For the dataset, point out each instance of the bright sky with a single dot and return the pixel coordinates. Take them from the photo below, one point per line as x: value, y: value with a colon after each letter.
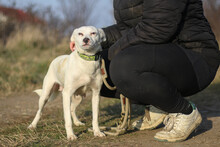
x: 103, y: 10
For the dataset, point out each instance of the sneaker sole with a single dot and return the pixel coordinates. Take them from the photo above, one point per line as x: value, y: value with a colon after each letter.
x: 198, y: 122
x: 156, y: 124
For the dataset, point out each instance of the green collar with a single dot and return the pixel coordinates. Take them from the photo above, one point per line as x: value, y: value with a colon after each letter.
x: 90, y: 57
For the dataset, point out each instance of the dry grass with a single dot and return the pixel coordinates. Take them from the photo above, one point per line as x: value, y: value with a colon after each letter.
x: 25, y: 58
x: 47, y: 133
x: 32, y: 37
x: 51, y: 131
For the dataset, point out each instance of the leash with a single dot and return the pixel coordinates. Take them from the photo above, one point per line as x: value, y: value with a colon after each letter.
x: 124, y: 123
x: 105, y: 76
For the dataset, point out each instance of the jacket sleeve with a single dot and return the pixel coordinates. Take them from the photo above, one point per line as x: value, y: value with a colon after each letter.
x: 159, y: 24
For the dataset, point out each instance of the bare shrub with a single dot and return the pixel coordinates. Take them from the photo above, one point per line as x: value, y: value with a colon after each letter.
x: 31, y: 36
x: 76, y: 13
x: 6, y: 28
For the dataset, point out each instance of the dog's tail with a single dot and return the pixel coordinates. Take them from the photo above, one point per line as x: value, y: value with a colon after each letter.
x: 53, y: 95
x: 38, y: 92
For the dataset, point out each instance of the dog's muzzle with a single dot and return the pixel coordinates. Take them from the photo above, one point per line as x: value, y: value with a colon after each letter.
x: 86, y: 40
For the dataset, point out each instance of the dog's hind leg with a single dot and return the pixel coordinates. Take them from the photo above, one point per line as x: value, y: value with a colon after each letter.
x: 76, y: 100
x: 47, y: 89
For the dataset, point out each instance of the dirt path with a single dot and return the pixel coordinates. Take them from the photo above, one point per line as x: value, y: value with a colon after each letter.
x: 22, y: 108
x: 16, y: 108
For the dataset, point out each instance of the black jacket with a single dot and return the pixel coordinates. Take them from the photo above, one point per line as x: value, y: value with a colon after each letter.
x: 161, y: 22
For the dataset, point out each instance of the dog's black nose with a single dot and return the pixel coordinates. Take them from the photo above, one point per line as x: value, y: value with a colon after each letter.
x: 86, y: 40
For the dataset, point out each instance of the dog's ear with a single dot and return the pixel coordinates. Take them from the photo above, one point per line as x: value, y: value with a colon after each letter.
x: 72, y: 36
x: 72, y: 46
x: 72, y: 42
x: 102, y: 35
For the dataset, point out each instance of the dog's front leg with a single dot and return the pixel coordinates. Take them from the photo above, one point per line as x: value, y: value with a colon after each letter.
x: 67, y: 93
x: 95, y: 113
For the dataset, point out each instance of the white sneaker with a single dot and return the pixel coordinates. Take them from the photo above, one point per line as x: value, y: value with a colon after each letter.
x: 153, y: 118
x: 179, y: 126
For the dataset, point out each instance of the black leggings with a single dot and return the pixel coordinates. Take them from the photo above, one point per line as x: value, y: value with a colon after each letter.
x: 160, y: 75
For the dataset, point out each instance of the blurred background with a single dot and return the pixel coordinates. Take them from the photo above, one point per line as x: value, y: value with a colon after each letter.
x: 33, y: 32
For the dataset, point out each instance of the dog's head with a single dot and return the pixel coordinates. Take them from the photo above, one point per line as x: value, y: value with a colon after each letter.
x: 87, y: 38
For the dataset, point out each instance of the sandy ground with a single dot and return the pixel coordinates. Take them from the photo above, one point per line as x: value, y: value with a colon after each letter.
x: 22, y: 108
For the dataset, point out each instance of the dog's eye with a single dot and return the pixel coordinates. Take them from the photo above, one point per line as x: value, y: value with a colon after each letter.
x: 80, y: 34
x: 93, y: 33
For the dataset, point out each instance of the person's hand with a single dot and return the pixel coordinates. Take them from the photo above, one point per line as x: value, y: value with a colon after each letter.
x: 72, y: 46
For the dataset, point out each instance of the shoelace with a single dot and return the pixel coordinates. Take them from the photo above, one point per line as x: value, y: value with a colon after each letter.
x: 172, y: 124
x: 169, y: 122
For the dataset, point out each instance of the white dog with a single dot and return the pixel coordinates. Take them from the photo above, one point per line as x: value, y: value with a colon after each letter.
x: 75, y: 74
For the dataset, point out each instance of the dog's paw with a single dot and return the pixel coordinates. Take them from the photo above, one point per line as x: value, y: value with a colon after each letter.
x: 31, y: 127
x: 79, y: 123
x: 71, y: 137
x: 99, y: 134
